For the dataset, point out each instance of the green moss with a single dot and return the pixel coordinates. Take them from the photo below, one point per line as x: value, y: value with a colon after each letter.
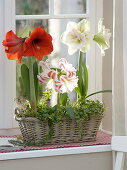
x: 79, y: 110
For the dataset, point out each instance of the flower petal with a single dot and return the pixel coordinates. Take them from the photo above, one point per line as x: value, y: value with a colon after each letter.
x: 14, y: 46
x: 84, y: 26
x: 39, y: 43
x: 71, y: 25
x: 71, y: 51
x: 76, y: 36
x: 102, y: 37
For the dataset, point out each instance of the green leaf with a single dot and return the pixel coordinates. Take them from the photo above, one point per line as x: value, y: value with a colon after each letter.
x: 85, y: 80
x: 63, y: 99
x: 26, y: 80
x: 55, y: 108
x: 36, y: 84
x: 80, y: 82
x: 77, y: 89
x: 46, y: 115
x: 103, y: 91
x: 82, y: 74
x: 33, y: 101
x: 22, y: 90
x: 70, y: 111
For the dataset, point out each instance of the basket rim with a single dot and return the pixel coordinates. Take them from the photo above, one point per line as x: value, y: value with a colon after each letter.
x: 38, y: 120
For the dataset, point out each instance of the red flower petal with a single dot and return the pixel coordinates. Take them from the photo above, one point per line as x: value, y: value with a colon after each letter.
x: 38, y: 44
x: 14, y: 46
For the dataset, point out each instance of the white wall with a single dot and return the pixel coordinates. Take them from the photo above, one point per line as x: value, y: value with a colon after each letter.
x: 107, y: 66
x: 94, y: 161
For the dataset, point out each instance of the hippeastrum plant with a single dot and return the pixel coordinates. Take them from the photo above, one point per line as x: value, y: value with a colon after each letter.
x: 61, y: 79
x: 77, y: 37
x: 34, y: 47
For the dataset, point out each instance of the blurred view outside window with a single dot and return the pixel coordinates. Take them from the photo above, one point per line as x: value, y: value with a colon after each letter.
x: 54, y: 26
x: 32, y: 7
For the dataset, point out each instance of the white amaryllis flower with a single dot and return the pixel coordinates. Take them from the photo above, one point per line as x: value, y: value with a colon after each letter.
x: 69, y: 82
x: 76, y: 36
x: 102, y: 37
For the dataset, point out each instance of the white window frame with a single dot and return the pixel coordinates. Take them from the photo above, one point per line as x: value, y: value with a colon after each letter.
x: 119, y: 70
x: 8, y: 69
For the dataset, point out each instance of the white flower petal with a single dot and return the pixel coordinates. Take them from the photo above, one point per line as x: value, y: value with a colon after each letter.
x: 85, y: 47
x: 71, y: 25
x: 101, y: 27
x: 68, y: 83
x: 63, y: 37
x: 65, y: 66
x: 45, y: 65
x: 71, y: 51
x: 76, y: 36
x: 102, y: 37
x: 50, y: 84
x: 84, y: 26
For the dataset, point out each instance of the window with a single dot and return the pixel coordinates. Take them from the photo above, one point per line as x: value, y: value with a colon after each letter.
x: 22, y: 15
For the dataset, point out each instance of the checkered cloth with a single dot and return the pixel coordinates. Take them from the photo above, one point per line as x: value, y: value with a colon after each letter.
x: 103, y: 138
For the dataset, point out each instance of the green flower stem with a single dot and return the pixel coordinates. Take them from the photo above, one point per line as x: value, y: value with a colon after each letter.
x: 82, y: 75
x: 58, y: 98
x: 32, y: 86
x: 80, y: 61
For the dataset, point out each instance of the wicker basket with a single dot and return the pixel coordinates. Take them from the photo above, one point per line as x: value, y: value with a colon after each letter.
x: 34, y: 130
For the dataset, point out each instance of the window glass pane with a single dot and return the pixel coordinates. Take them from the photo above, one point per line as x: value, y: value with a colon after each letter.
x: 70, y: 6
x: 29, y: 7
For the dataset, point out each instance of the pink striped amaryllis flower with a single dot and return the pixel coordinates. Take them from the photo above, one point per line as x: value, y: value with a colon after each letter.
x: 69, y: 82
x: 48, y: 76
x: 65, y: 66
x: 62, y: 79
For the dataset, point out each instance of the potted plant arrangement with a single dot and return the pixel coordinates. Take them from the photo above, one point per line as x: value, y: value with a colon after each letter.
x: 39, y: 121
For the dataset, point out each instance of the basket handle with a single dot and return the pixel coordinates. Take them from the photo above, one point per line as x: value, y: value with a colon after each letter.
x: 17, y: 111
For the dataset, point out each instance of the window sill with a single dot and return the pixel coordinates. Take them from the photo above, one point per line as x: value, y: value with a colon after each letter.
x: 55, y: 152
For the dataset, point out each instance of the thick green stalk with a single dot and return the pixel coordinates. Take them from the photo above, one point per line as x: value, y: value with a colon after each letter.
x: 58, y: 98
x: 32, y: 86
x: 82, y: 60
x: 81, y: 73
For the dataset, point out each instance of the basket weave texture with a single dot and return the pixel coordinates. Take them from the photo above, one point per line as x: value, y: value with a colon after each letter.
x: 68, y: 131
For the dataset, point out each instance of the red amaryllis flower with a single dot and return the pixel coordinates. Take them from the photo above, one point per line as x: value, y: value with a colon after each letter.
x: 39, y: 43
x: 14, y: 46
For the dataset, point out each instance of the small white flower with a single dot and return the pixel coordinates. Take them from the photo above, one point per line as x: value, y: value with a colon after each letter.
x: 102, y: 37
x: 76, y: 36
